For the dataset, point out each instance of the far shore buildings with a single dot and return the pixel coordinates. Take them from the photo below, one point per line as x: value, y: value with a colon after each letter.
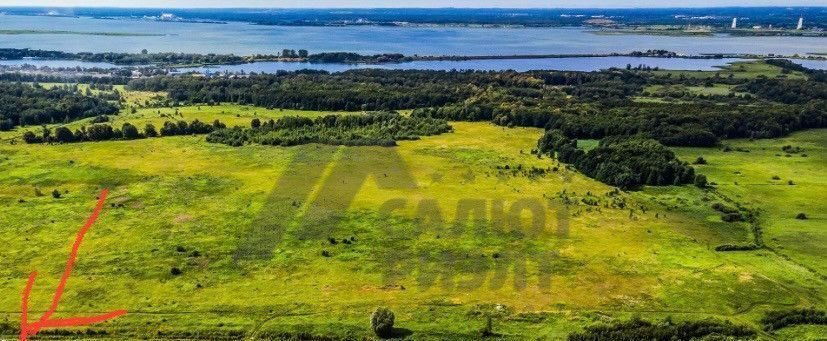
x: 799, y: 26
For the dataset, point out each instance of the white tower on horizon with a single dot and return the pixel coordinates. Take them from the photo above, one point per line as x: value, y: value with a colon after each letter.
x: 800, y: 23
x: 734, y: 23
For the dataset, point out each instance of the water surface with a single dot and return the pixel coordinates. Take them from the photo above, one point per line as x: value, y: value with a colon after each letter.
x: 244, y: 39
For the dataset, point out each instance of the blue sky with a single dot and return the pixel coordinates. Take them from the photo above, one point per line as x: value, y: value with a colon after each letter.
x: 410, y: 3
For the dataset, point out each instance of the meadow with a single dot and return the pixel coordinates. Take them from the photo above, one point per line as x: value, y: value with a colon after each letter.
x: 738, y: 70
x: 201, y: 240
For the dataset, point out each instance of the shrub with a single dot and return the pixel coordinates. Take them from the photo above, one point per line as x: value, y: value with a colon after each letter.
x: 30, y: 137
x: 381, y: 321
x: 488, y: 329
x: 700, y: 181
x: 723, y: 208
x: 56, y: 194
x: 255, y: 123
x: 150, y: 131
x: 791, y: 150
x: 100, y: 132
x: 176, y: 271
x: 63, y: 134
x: 130, y: 132
x: 100, y: 119
x: 734, y: 247
x: 732, y: 217
x: 700, y: 160
x: 801, y: 216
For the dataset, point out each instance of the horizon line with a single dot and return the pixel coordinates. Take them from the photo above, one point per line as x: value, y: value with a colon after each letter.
x: 447, y: 7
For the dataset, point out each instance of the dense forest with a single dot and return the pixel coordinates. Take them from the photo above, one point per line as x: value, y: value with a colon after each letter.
x: 23, y: 104
x: 372, y: 129
x: 58, y: 78
x: 627, y: 163
x: 318, y: 90
x: 569, y: 105
x: 581, y: 105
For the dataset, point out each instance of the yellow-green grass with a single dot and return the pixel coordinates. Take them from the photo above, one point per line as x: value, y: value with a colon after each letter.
x: 181, y: 191
x: 587, y: 145
x: 749, y: 178
x: 716, y: 89
x: 740, y: 70
x: 131, y: 98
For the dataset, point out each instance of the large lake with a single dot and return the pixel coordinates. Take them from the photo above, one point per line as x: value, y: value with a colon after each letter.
x: 245, y: 39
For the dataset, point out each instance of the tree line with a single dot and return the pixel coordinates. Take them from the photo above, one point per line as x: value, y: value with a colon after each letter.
x: 778, y: 319
x: 667, y: 330
x: 128, y: 131
x: 144, y: 58
x: 371, y: 129
x: 170, y: 58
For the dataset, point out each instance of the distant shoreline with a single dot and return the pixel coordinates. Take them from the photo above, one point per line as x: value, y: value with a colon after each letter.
x: 224, y: 60
x: 682, y: 32
x: 116, y: 34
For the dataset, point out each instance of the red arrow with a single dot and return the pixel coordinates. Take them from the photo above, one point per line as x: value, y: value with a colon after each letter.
x: 46, y: 321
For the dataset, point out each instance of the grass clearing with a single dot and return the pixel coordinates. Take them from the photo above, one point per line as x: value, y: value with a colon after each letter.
x: 739, y: 70
x: 761, y: 178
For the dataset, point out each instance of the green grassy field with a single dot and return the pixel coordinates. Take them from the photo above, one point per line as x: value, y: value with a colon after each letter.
x: 717, y: 89
x: 739, y: 70
x: 248, y: 228
x: 779, y: 184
